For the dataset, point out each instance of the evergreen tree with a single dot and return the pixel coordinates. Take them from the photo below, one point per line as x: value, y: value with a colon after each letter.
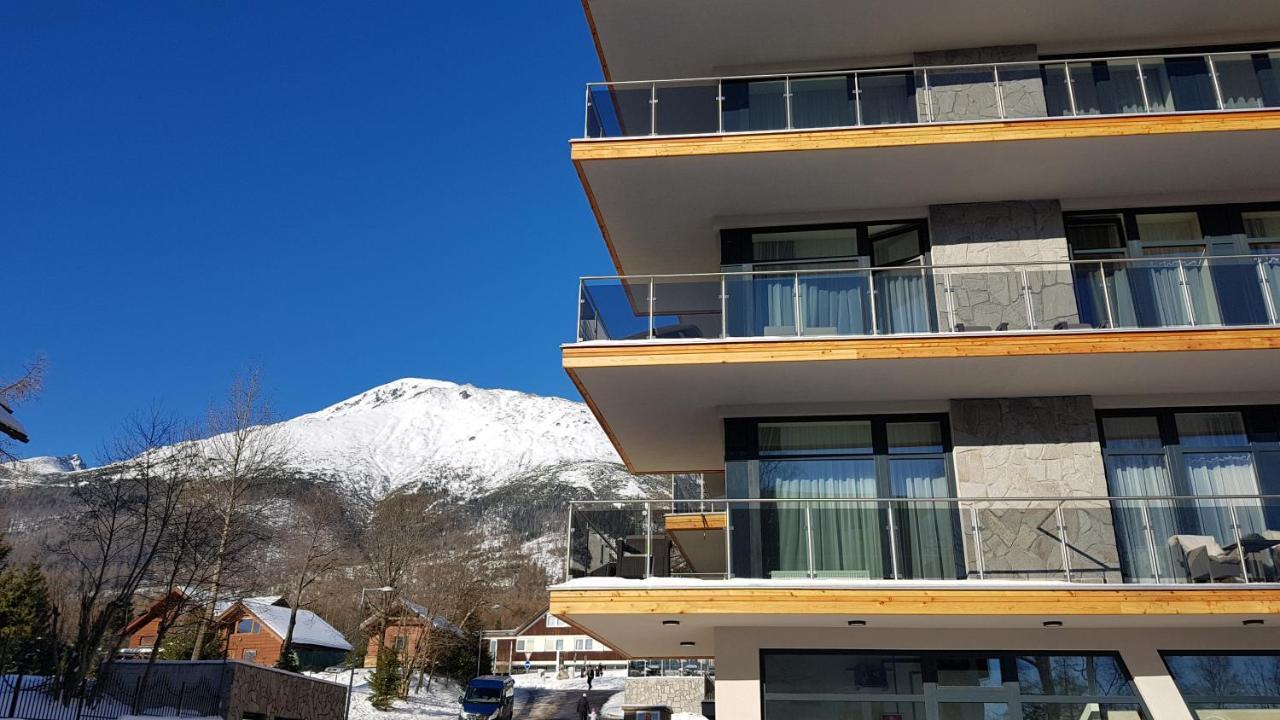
x: 384, y: 683
x: 28, y: 638
x: 289, y: 661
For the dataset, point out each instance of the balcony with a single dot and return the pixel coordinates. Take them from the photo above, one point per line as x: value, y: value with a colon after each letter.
x: 934, y: 300
x: 935, y: 95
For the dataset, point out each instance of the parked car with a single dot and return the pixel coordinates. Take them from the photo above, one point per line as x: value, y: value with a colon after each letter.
x: 488, y: 697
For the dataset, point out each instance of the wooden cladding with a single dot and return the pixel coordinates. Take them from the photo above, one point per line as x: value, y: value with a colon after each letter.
x: 937, y: 134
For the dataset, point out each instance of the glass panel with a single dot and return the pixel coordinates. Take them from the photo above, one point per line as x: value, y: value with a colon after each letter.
x: 754, y: 105
x: 815, y: 438
x: 620, y: 110
x: 686, y: 307
x: 1230, y: 290
x: 1092, y: 283
x: 1020, y: 540
x: 809, y: 672
x: 614, y: 309
x: 969, y: 671
x: 1053, y: 298
x: 1056, y: 97
x: 887, y: 98
x: 1211, y: 429
x: 818, y: 102
x: 847, y: 536
x: 1227, y: 681
x: 787, y: 245
x: 963, y: 94
x: 1264, y: 224
x: 904, y: 301
x: 1166, y: 227
x: 843, y: 710
x: 927, y: 534
x: 894, y: 244
x: 1131, y: 433
x: 915, y: 437
x: 835, y: 303
x: 1148, y: 293
x: 1090, y: 529
x: 1181, y: 84
x: 1022, y: 91
x: 1094, y: 234
x: 761, y: 304
x: 1146, y: 553
x: 1240, y: 77
x: 973, y: 711
x: 687, y: 107
x: 989, y: 299
x: 1107, y: 87
x: 1094, y: 675
x: 608, y: 541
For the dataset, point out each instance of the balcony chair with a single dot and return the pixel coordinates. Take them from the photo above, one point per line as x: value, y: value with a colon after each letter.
x: 961, y: 327
x: 1064, y: 325
x: 1205, y: 560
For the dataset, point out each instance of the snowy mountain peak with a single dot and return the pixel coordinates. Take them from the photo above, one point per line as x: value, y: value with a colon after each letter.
x: 43, y: 465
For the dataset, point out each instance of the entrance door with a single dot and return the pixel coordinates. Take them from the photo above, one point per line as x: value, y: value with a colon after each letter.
x: 972, y: 687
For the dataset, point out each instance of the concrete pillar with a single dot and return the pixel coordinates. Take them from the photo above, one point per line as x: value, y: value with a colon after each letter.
x: 737, y: 675
x: 1152, y: 681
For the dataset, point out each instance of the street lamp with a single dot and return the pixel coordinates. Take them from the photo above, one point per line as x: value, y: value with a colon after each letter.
x: 351, y: 680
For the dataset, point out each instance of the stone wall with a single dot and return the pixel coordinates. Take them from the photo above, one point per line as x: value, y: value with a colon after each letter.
x: 279, y: 695
x: 970, y: 93
x: 1034, y: 447
x: 990, y: 236
x: 681, y: 694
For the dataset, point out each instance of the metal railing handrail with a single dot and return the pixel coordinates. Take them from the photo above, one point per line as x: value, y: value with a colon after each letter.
x: 943, y: 266
x: 912, y: 68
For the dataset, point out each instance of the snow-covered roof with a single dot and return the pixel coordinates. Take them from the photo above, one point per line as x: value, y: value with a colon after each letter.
x: 10, y: 426
x: 310, y: 628
x: 438, y: 623
x: 225, y: 605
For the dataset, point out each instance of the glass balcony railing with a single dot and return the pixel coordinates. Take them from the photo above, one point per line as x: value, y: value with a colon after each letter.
x: 1164, y: 540
x: 1134, y: 85
x: 1083, y: 295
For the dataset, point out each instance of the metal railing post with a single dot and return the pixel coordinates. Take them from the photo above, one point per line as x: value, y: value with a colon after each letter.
x: 578, y: 333
x: 724, y: 306
x: 720, y: 106
x: 893, y: 541
x: 808, y: 538
x: 857, y: 100
x: 871, y: 292
x: 1151, y: 544
x: 1071, y: 91
x: 1106, y: 295
x: 995, y: 76
x: 1186, y: 293
x: 951, y: 300
x: 650, y: 307
x: 1062, y: 541
x: 795, y: 302
x: 568, y: 546
x: 653, y: 108
x: 728, y: 549
x: 928, y: 96
x: 1235, y: 532
x: 648, y: 538
x: 586, y: 117
x: 1142, y: 85
x: 976, y: 525
x: 1268, y: 300
x: 786, y: 97
x: 1026, y: 296
x: 1217, y: 86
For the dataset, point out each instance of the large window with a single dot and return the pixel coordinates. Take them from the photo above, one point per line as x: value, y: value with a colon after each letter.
x: 816, y: 279
x: 1231, y: 278
x: 1222, y: 681
x: 825, y: 482
x: 840, y: 685
x: 1217, y: 451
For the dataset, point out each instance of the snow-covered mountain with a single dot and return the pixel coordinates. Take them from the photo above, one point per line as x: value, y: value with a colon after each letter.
x: 43, y: 465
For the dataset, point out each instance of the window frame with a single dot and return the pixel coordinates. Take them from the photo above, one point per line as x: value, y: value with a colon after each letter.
x: 737, y: 250
x: 1219, y: 223
x: 1193, y: 700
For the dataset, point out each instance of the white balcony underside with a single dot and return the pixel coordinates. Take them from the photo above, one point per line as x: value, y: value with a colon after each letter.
x: 677, y: 38
x: 662, y: 213
x: 670, y: 417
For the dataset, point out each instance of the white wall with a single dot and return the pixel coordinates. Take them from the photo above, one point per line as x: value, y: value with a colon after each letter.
x: 738, y: 654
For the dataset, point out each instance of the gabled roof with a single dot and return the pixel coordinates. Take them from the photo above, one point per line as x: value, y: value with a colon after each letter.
x: 310, y: 629
x: 10, y: 426
x: 422, y: 613
x: 225, y: 605
x: 157, y: 607
x: 531, y: 621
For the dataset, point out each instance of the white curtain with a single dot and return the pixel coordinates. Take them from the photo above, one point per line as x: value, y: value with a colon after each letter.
x: 1143, y: 475
x: 835, y: 303
x: 846, y: 535
x: 903, y: 301
x: 927, y: 539
x: 1219, y: 473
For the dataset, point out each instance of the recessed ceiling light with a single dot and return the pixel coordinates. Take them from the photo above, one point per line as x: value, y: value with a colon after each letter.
x: 1052, y: 623
x: 688, y: 643
x: 1253, y: 621
x: 670, y: 622
x: 857, y: 623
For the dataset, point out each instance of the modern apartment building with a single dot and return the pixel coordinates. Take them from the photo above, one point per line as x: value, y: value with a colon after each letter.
x: 968, y: 317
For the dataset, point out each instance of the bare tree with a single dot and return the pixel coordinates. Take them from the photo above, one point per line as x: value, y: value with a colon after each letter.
x: 25, y: 387
x: 313, y: 547
x: 243, y: 452
x: 124, y: 521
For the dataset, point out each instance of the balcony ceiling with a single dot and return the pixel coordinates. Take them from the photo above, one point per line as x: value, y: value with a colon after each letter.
x: 676, y: 38
x: 664, y: 410
x: 661, y: 206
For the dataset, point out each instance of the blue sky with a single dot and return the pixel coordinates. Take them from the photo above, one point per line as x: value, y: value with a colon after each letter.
x: 341, y: 194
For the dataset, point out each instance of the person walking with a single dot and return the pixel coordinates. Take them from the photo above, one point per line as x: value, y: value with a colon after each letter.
x: 591, y: 675
x: 584, y: 707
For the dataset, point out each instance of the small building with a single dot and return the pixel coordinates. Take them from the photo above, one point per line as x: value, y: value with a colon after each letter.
x: 256, y: 628
x: 405, y: 630
x: 143, y: 631
x: 545, y: 642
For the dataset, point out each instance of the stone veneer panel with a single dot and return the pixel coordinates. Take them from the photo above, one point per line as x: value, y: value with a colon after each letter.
x: 681, y: 694
x: 992, y: 235
x: 1035, y: 447
x: 970, y: 93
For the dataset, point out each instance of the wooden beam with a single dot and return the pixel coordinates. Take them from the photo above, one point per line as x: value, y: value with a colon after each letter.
x: 695, y: 522
x: 895, y: 348
x: 908, y: 601
x: 918, y: 135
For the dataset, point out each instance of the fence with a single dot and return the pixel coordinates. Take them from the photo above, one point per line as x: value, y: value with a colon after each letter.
x: 172, y: 690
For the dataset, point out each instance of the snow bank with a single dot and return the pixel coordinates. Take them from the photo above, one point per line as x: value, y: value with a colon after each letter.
x: 611, y: 680
x: 438, y: 701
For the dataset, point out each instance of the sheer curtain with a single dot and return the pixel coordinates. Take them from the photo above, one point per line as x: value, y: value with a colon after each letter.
x: 1219, y: 473
x: 846, y: 535
x: 1139, y: 475
x: 927, y: 538
x: 904, y: 305
x: 835, y: 303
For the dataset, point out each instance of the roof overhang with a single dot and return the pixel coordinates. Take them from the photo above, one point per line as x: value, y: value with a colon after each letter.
x: 663, y: 403
x: 660, y: 39
x: 660, y: 201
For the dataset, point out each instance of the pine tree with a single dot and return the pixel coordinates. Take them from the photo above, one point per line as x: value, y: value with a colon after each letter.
x: 28, y: 642
x: 289, y: 661
x: 384, y: 683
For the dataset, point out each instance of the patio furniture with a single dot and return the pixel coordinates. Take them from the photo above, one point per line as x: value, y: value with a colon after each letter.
x: 1205, y: 560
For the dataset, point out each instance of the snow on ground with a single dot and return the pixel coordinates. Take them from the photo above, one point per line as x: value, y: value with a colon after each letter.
x: 611, y: 680
x: 439, y: 701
